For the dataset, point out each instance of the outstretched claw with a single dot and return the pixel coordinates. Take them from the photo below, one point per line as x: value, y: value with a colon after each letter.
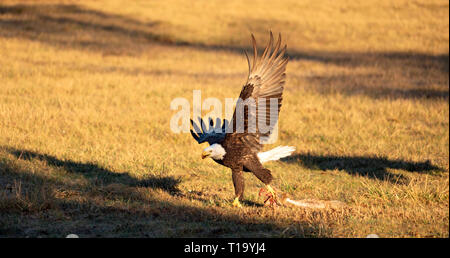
x: 236, y: 203
x: 272, y: 198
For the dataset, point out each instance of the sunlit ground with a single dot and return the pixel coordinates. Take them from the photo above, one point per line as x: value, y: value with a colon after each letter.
x: 86, y: 146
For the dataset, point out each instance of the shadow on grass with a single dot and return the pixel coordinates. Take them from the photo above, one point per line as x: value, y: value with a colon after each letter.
x: 74, y: 26
x: 98, y: 175
x: 372, y: 167
x: 381, y: 85
x: 37, y: 201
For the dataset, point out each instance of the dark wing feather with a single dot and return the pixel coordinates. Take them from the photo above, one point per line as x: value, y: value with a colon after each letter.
x: 213, y: 134
x: 265, y: 80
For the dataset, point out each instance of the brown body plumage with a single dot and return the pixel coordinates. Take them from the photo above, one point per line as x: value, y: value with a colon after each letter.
x: 265, y: 81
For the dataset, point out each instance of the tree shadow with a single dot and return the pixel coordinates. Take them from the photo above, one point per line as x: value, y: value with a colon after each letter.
x: 372, y: 167
x: 406, y: 75
x: 393, y: 76
x: 98, y: 175
x: 69, y: 25
x: 33, y: 209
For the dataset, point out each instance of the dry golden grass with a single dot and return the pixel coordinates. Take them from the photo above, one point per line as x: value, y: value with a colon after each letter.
x: 85, y: 91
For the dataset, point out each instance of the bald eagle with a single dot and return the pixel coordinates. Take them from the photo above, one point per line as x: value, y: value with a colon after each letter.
x: 242, y: 150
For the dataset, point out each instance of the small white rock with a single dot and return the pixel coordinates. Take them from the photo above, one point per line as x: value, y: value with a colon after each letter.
x: 72, y: 236
x: 372, y: 236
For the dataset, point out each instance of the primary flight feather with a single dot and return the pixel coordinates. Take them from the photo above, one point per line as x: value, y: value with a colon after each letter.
x: 240, y: 148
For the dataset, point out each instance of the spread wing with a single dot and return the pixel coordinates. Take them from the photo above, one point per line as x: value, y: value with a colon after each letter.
x: 265, y: 83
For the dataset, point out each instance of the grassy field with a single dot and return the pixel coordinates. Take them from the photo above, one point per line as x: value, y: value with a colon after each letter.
x: 85, y: 92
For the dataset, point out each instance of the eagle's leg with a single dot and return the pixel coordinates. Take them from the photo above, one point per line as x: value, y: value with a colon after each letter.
x: 266, y: 177
x: 273, y: 197
x: 238, y: 181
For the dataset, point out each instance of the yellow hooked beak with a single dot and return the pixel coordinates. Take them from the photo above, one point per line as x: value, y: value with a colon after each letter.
x: 205, y: 154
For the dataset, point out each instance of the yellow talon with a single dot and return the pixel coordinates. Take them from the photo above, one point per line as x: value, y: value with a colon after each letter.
x: 236, y: 203
x: 272, y: 199
x: 270, y: 189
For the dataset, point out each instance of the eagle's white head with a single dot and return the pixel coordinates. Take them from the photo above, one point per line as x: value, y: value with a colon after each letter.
x: 215, y: 151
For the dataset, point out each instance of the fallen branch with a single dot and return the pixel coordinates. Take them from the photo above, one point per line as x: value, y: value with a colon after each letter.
x: 311, y: 203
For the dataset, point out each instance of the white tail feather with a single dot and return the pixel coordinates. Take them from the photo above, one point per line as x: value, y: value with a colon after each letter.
x: 276, y: 153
